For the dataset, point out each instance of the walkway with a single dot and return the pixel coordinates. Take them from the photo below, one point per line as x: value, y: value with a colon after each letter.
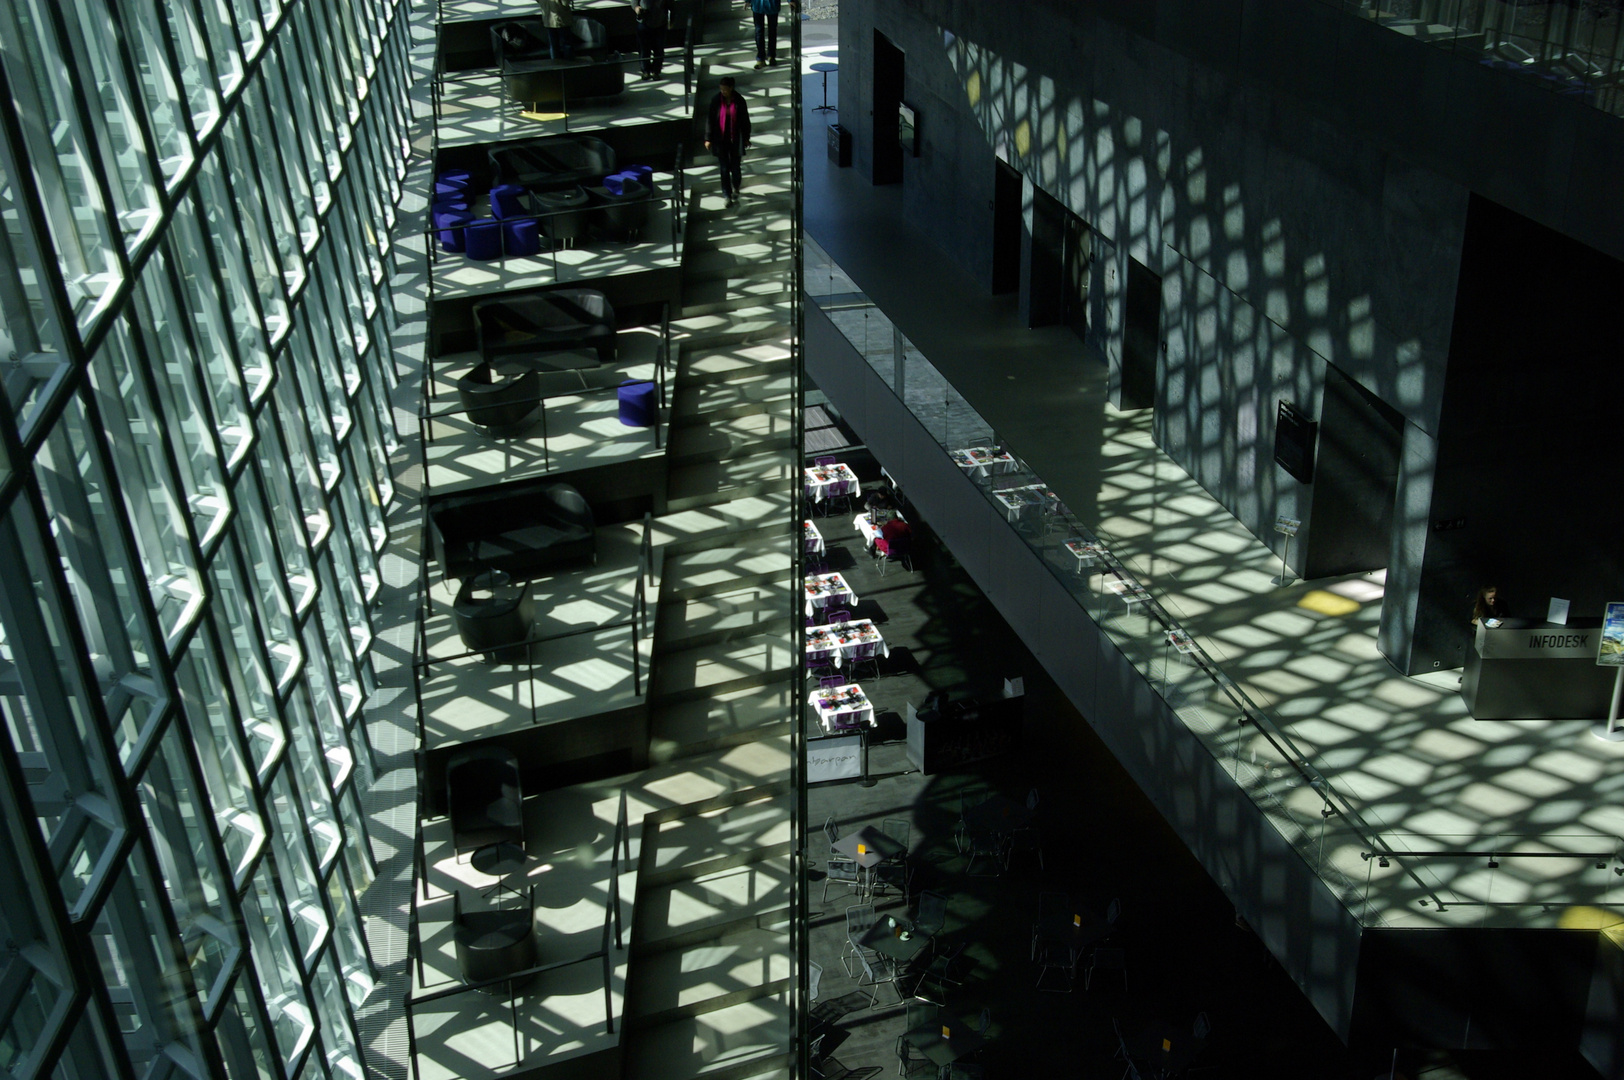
x: 1401, y: 751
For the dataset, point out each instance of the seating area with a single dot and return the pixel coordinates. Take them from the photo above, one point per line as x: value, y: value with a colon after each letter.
x: 542, y: 194
x: 1000, y: 917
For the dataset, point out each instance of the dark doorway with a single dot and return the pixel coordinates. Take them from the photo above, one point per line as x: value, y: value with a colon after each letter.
x: 1006, y: 228
x: 1141, y: 336
x: 888, y: 82
x: 1355, y: 480
x: 1077, y: 260
x: 1042, y: 297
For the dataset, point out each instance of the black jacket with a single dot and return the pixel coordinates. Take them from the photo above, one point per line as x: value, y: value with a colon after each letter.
x: 656, y: 13
x: 741, y: 131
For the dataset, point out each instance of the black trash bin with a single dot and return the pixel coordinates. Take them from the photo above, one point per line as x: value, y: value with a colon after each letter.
x: 839, y: 145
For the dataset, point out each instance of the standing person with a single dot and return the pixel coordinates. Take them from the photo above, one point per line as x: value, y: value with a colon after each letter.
x: 727, y: 135
x: 765, y: 13
x: 653, y: 19
x: 559, y: 18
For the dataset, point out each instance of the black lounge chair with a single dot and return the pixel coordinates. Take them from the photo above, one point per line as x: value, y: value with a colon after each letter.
x: 484, y: 799
x: 553, y: 163
x: 500, y: 403
x: 494, y: 615
x: 495, y: 944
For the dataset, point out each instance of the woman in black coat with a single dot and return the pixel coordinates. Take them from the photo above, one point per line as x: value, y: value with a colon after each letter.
x: 727, y: 135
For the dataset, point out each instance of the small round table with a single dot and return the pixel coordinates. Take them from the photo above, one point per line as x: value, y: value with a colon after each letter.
x: 824, y: 67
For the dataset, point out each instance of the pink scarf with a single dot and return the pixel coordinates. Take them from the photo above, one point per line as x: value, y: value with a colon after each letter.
x: 725, y: 115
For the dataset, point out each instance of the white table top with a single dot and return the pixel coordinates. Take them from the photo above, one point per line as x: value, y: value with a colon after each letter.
x: 868, y: 529
x: 846, y: 635
x: 824, y: 475
x: 841, y: 700
x: 979, y: 457
x: 823, y: 586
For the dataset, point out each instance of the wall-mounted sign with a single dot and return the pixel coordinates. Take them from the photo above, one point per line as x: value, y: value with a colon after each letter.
x: 1611, y: 651
x: 908, y: 125
x: 1294, y: 438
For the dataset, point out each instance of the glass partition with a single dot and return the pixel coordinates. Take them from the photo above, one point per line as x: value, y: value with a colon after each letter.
x: 1106, y: 573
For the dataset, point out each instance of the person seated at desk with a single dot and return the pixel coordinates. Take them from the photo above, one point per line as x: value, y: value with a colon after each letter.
x: 895, y: 537
x: 1488, y: 605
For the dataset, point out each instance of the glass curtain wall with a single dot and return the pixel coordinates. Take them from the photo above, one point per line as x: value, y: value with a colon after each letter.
x: 195, y: 348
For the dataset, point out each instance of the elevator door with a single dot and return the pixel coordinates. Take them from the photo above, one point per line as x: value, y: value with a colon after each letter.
x: 888, y: 82
x: 1141, y: 336
x: 1077, y: 261
x: 1006, y: 228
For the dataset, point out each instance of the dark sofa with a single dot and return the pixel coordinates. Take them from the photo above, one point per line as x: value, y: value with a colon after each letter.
x: 525, y: 530
x: 560, y: 320
x: 556, y: 162
x: 556, y: 85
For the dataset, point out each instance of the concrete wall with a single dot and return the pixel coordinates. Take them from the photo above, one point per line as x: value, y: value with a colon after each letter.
x: 1381, y: 987
x: 1316, y: 939
x: 1299, y: 177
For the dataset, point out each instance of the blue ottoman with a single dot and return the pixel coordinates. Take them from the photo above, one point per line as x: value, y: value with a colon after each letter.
x: 457, y: 177
x: 484, y: 241
x: 507, y: 201
x: 521, y: 236
x: 451, y: 223
x: 637, y: 407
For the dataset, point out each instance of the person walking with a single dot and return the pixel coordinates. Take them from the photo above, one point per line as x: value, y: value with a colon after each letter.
x: 653, y: 19
x: 559, y: 18
x: 727, y: 135
x: 765, y: 13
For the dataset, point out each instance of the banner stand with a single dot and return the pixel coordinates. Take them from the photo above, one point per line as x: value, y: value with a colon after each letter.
x: 1287, y: 527
x: 1610, y: 653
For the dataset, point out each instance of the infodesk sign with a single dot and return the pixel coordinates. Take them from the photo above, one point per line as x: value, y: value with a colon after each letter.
x: 1611, y: 652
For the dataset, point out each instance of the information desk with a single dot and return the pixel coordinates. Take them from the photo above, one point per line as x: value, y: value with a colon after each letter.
x: 1525, y: 669
x: 958, y: 733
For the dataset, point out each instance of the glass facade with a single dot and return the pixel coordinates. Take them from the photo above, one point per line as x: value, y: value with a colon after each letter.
x: 195, y: 348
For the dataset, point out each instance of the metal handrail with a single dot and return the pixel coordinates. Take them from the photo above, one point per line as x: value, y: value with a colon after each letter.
x: 688, y: 78
x: 1290, y: 754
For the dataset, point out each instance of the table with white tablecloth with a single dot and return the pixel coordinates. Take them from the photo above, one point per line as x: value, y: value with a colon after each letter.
x: 864, y: 524
x: 844, y: 639
x: 824, y: 589
x: 827, y: 481
x: 812, y: 539
x: 842, y: 707
x: 983, y: 460
x: 1019, y: 501
x: 1087, y: 553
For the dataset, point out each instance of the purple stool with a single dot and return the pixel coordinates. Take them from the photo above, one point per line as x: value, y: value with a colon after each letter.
x: 460, y: 177
x: 637, y: 408
x: 507, y: 200
x: 521, y: 236
x: 484, y: 241
x: 450, y: 223
x: 444, y: 191
x: 616, y: 183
